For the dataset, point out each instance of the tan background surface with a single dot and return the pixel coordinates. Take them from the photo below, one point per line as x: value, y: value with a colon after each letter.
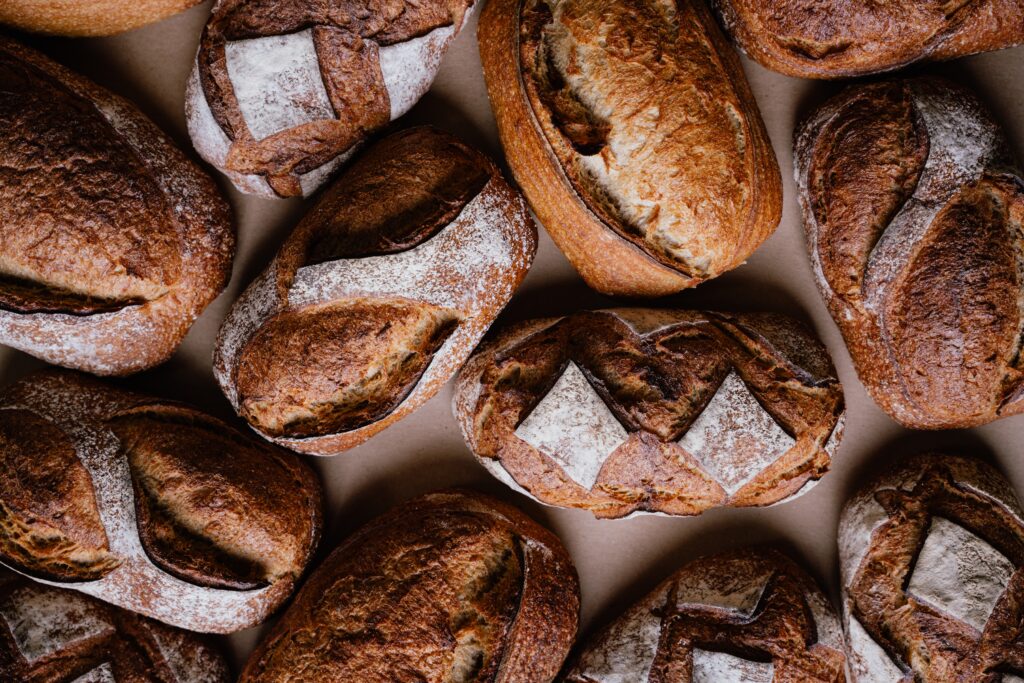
x: 618, y: 561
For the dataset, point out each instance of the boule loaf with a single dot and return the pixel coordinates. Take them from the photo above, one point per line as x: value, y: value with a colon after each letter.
x: 284, y: 92
x: 636, y: 139
x: 627, y: 411
x: 92, y: 18
x: 913, y: 211
x: 150, y: 505
x: 452, y: 587
x: 378, y: 296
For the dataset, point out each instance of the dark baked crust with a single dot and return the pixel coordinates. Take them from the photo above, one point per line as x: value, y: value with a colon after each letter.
x: 843, y: 38
x: 914, y: 218
x: 449, y: 587
x: 656, y: 371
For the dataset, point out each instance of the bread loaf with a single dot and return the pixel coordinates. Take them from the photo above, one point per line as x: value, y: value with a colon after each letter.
x: 379, y: 295
x: 50, y: 635
x: 641, y: 410
x: 913, y: 211
x: 150, y: 505
x: 111, y: 241
x: 631, y: 128
x: 747, y: 616
x: 91, y: 18
x: 930, y: 554
x: 284, y: 91
x: 842, y: 38
x: 452, y: 587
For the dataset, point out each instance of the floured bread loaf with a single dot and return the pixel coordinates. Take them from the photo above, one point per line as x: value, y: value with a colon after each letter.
x: 636, y: 139
x: 914, y: 214
x: 748, y: 616
x: 50, y: 635
x: 930, y: 554
x: 150, y: 505
x: 842, y: 38
x: 642, y: 410
x: 111, y: 241
x: 379, y: 295
x: 90, y: 18
x: 284, y: 91
x: 452, y: 587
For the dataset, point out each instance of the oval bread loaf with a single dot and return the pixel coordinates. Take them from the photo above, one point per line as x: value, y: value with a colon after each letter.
x: 92, y: 18
x: 747, y: 616
x: 112, y: 242
x: 378, y: 296
x: 150, y: 505
x: 641, y: 410
x: 930, y: 554
x: 843, y: 38
x: 914, y: 214
x: 50, y: 635
x: 631, y: 128
x: 284, y: 91
x: 452, y: 587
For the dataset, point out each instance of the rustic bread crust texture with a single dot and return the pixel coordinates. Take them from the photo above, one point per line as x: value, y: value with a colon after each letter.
x: 150, y: 505
x: 49, y: 635
x: 634, y: 134
x: 92, y: 18
x: 112, y: 242
x: 914, y: 215
x: 631, y: 411
x: 378, y: 296
x: 451, y: 587
x: 930, y: 555
x: 749, y: 615
x: 846, y: 38
x: 283, y: 92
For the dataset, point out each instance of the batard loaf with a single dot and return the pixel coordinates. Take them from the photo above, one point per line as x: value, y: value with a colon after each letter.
x: 378, y: 296
x: 641, y: 410
x: 150, y: 505
x: 90, y: 18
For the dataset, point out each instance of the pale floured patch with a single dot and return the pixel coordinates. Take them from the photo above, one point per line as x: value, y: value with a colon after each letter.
x: 720, y: 667
x: 959, y: 573
x: 104, y: 673
x: 44, y: 622
x: 1011, y: 678
x: 868, y: 661
x: 627, y: 649
x: 409, y: 67
x: 735, y: 438
x: 738, y: 594
x: 187, y: 662
x: 573, y: 426
x: 277, y: 82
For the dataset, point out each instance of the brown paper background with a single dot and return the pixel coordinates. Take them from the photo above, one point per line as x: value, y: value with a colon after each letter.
x: 618, y: 561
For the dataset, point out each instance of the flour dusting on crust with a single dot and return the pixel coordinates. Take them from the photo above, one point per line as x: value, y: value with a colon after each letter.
x: 721, y: 667
x: 104, y: 673
x: 44, y: 622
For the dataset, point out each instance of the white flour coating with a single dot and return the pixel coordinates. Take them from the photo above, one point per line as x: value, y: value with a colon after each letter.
x: 721, y: 667
x: 104, y: 673
x: 45, y: 622
x: 309, y: 182
x: 959, y: 573
x: 868, y: 662
x: 410, y: 67
x: 645, y: 321
x: 277, y: 82
x: 735, y: 438
x: 574, y: 427
x: 625, y: 651
x: 188, y: 663
x: 861, y: 516
x: 739, y: 595
x: 1010, y: 678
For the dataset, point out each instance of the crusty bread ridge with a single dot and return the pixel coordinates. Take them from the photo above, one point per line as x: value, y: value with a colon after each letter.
x: 92, y: 18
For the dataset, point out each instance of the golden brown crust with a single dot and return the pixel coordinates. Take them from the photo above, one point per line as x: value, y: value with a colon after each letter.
x: 93, y: 18
x: 451, y: 587
x: 602, y: 135
x: 657, y: 372
x: 843, y: 38
x: 913, y: 216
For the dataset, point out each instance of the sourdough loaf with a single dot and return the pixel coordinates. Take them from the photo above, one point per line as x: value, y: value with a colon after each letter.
x: 91, y: 18
x: 914, y: 214
x: 631, y: 128
x: 930, y: 554
x: 284, y: 91
x: 150, y: 505
x: 747, y: 616
x: 452, y: 587
x: 378, y: 296
x: 641, y: 410
x: 112, y: 242
x: 842, y: 38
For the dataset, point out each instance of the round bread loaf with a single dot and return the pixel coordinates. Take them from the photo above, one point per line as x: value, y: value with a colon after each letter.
x: 112, y: 242
x: 150, y: 505
x: 87, y: 17
x: 631, y: 128
x: 747, y: 616
x: 284, y: 91
x: 452, y: 587
x: 914, y: 214
x: 930, y: 554
x: 378, y: 296
x: 634, y: 410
